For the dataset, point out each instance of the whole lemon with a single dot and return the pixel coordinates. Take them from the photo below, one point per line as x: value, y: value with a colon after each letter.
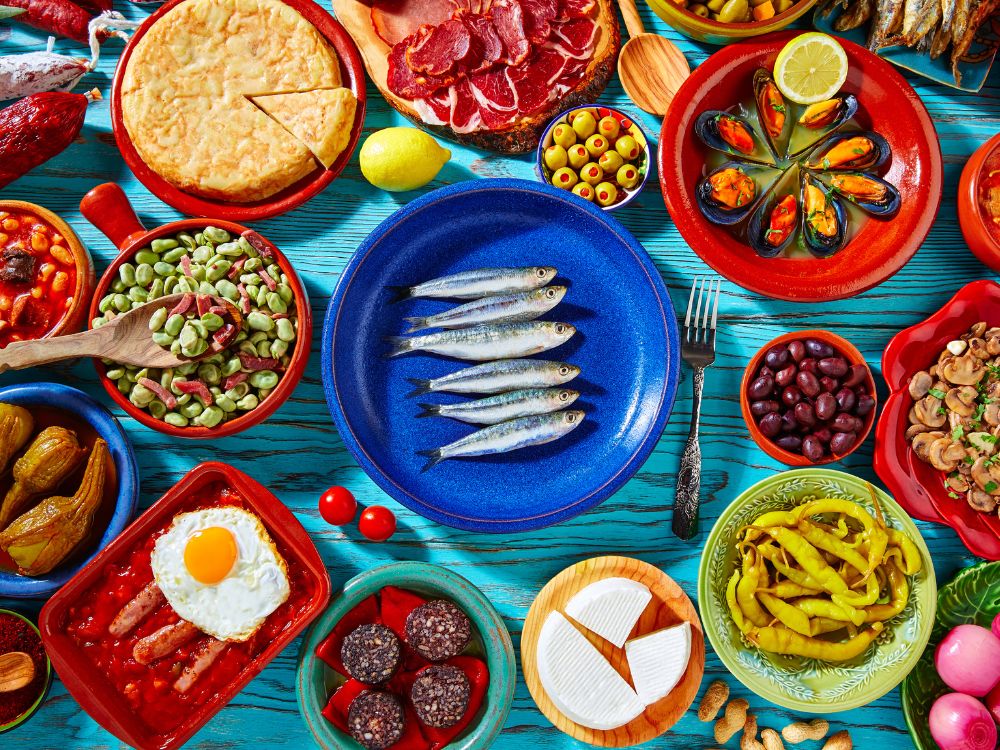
x: 399, y: 159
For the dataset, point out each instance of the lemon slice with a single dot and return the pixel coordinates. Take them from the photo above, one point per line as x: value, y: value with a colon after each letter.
x: 811, y: 68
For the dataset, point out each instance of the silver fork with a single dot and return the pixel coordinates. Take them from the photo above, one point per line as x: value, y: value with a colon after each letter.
x: 698, y: 350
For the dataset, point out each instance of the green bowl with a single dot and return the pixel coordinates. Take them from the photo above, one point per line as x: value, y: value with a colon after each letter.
x: 972, y: 596
x: 315, y: 680
x: 715, y: 32
x: 33, y: 708
x: 811, y: 685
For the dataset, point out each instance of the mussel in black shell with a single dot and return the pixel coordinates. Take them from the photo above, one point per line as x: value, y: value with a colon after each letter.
x: 726, y: 195
x: 868, y: 192
x: 820, y: 120
x: 730, y: 134
x: 850, y: 152
x: 773, y: 225
x: 772, y: 112
x: 824, y: 221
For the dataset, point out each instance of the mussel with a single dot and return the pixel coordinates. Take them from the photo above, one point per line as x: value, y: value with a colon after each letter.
x: 868, y: 192
x: 772, y: 112
x: 820, y: 120
x: 730, y: 134
x: 773, y: 224
x: 824, y: 221
x: 727, y: 194
x: 850, y: 152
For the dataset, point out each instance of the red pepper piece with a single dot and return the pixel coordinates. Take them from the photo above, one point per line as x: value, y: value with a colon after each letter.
x: 162, y: 393
x: 59, y: 17
x: 340, y: 702
x: 329, y: 649
x: 36, y: 128
x: 253, y: 364
x: 396, y: 607
x: 96, y: 6
x: 479, y: 682
x: 413, y: 736
x: 195, y: 388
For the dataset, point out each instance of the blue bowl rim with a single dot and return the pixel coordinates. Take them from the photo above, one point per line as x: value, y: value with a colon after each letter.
x: 107, y: 426
x: 593, y: 498
x: 631, y: 194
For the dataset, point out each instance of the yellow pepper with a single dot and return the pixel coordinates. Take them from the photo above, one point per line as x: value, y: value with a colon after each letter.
x: 899, y: 590
x: 912, y: 560
x: 746, y: 593
x: 816, y: 607
x: 788, y: 615
x: 781, y: 640
x: 810, y: 559
x: 734, y: 606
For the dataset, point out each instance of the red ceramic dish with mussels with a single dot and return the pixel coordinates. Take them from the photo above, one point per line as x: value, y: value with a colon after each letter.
x: 107, y: 208
x: 917, y: 485
x: 808, y: 398
x: 139, y: 704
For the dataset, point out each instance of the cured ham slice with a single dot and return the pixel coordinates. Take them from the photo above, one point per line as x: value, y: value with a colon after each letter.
x: 394, y: 20
x: 538, y: 15
x: 575, y: 9
x: 404, y: 81
x: 576, y: 37
x: 437, y: 50
x: 508, y: 17
x: 486, y: 47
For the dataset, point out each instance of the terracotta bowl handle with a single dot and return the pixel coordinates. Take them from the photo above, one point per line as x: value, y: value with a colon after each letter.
x: 108, y: 208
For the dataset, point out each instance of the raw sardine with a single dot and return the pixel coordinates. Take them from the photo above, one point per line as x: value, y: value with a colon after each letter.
x: 509, y: 308
x: 482, y: 282
x: 508, y: 436
x: 497, y: 377
x: 483, y: 343
x: 506, y: 406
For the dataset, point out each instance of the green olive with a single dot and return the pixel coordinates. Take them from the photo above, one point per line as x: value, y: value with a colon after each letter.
x: 584, y: 190
x: 609, y: 127
x: 735, y: 11
x: 699, y: 10
x: 592, y: 173
x: 583, y: 123
x: 556, y: 157
x: 628, y: 176
x: 578, y: 156
x: 715, y: 5
x: 610, y: 161
x: 563, y: 135
x: 564, y: 178
x: 628, y: 147
x: 605, y: 194
x: 597, y: 144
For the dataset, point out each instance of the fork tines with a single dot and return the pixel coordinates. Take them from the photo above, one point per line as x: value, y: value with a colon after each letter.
x: 702, y: 332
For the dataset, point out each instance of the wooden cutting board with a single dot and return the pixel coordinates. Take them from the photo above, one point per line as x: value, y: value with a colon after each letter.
x: 669, y: 606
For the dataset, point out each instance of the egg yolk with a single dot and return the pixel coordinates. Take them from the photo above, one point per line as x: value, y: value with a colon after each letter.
x: 210, y: 554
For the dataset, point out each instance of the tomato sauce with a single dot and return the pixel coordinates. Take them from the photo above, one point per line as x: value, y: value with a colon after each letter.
x: 149, y: 689
x: 989, y: 194
x: 37, y: 277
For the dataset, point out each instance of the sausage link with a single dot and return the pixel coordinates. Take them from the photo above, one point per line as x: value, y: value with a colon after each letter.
x: 204, y: 656
x: 137, y: 610
x: 164, y: 641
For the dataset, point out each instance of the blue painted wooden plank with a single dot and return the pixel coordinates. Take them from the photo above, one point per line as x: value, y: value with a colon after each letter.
x: 319, y: 239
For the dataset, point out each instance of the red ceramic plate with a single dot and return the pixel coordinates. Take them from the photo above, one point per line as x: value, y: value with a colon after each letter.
x: 96, y: 694
x: 918, y: 486
x: 353, y: 75
x: 888, y: 105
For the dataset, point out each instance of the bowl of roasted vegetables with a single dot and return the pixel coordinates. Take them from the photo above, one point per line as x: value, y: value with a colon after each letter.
x: 68, y: 485
x: 817, y: 591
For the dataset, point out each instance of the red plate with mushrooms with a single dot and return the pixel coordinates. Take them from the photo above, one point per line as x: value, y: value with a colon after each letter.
x: 937, y: 444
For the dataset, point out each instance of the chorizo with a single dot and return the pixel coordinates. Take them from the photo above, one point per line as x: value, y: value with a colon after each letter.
x: 164, y: 641
x: 203, y: 658
x: 137, y: 610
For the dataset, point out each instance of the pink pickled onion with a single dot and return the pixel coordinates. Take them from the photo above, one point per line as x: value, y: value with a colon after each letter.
x: 968, y: 660
x: 960, y: 722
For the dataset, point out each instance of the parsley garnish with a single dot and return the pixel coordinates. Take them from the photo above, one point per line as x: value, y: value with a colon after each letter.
x: 936, y: 393
x: 990, y: 487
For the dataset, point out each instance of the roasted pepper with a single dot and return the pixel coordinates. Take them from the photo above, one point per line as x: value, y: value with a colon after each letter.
x: 16, y: 426
x: 52, y: 456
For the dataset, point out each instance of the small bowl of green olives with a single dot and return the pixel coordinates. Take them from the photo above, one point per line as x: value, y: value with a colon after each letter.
x: 598, y: 153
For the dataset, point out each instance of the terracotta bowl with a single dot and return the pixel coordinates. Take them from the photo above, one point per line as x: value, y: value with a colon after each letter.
x: 353, y: 75
x: 970, y: 217
x: 916, y: 485
x: 888, y: 105
x: 846, y: 349
x: 72, y: 320
x: 107, y: 208
x: 717, y: 32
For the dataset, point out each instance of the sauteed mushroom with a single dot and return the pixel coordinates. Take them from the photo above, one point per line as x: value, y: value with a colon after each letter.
x: 920, y: 384
x: 962, y: 400
x: 980, y: 501
x: 930, y: 412
x: 944, y: 454
x: 965, y: 370
x: 986, y: 475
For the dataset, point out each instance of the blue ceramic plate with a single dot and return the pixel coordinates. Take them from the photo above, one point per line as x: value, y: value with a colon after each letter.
x: 974, y: 67
x: 626, y: 345
x: 82, y: 406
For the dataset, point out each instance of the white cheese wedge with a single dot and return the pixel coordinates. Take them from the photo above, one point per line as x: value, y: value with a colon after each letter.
x: 658, y: 661
x: 610, y: 607
x: 580, y: 681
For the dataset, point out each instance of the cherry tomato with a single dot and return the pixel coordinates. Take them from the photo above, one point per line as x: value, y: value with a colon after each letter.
x: 377, y: 523
x: 337, y: 506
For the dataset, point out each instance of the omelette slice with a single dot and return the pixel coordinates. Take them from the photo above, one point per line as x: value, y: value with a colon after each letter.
x: 322, y: 118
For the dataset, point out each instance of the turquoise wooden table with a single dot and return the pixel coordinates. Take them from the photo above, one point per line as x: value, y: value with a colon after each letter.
x: 297, y: 452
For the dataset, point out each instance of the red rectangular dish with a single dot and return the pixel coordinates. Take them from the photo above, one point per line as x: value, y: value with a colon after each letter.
x: 142, y: 705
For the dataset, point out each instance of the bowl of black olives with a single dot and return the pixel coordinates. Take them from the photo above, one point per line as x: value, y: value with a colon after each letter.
x: 808, y: 398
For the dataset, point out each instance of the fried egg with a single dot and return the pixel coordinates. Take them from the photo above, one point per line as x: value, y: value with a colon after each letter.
x: 219, y: 570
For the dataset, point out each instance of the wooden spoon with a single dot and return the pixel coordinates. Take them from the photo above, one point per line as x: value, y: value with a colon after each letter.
x: 16, y: 670
x: 126, y: 339
x: 651, y: 67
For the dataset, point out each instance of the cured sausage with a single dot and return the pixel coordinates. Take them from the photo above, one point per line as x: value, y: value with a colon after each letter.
x: 137, y: 610
x: 164, y: 641
x: 203, y: 658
